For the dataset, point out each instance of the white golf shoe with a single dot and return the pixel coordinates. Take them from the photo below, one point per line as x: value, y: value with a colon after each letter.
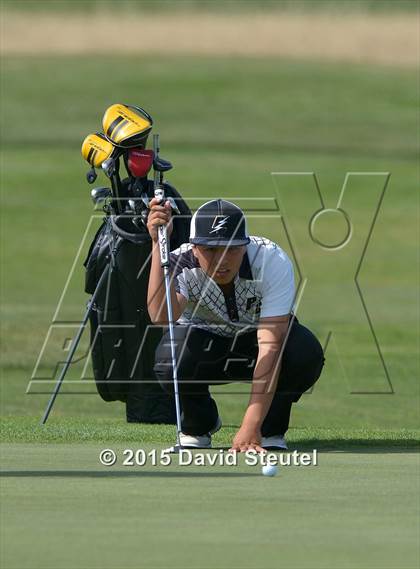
x: 275, y: 442
x: 197, y: 441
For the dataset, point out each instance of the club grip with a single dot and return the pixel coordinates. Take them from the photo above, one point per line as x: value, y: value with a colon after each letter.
x: 163, y: 246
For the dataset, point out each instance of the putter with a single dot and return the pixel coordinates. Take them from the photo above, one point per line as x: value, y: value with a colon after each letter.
x: 164, y: 260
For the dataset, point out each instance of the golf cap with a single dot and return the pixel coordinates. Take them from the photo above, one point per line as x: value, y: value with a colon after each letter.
x: 219, y: 223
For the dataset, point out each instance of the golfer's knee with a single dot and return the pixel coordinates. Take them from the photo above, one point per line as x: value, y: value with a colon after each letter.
x: 164, y: 375
x: 309, y: 366
x: 303, y: 359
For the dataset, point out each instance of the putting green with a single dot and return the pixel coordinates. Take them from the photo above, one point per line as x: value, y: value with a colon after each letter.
x: 64, y: 510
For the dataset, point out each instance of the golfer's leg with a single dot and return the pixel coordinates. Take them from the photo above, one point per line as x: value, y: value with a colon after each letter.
x: 199, y: 410
x: 301, y: 366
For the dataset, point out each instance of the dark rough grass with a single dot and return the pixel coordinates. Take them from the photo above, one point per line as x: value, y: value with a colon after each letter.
x: 66, y: 430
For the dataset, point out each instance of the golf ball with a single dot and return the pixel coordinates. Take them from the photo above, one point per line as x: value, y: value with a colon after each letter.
x: 270, y: 469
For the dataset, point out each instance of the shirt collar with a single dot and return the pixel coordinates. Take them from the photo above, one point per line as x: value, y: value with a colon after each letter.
x: 245, y: 268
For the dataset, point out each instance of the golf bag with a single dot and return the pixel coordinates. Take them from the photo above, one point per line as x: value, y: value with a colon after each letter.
x: 123, y: 342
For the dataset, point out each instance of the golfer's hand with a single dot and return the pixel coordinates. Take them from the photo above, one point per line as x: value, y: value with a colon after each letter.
x: 247, y: 438
x: 159, y: 215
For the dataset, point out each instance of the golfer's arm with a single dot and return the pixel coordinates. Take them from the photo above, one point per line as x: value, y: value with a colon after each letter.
x: 271, y: 336
x: 156, y: 297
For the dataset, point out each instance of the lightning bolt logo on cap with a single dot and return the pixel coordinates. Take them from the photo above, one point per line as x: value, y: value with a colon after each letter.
x: 219, y: 225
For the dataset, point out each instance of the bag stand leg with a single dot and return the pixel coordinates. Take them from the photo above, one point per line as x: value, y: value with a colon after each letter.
x: 74, y: 345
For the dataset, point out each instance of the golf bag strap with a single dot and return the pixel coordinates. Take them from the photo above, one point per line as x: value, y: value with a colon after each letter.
x: 137, y: 238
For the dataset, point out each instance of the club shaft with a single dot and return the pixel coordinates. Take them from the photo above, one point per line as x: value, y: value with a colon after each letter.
x: 164, y: 259
x: 173, y: 352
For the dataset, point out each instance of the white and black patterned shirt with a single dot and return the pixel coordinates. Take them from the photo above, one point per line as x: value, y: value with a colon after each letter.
x: 264, y: 286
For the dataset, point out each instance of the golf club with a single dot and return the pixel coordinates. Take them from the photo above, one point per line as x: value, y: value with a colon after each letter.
x: 126, y: 126
x: 95, y: 150
x: 164, y: 259
x: 139, y: 162
x: 100, y: 196
x: 101, y: 153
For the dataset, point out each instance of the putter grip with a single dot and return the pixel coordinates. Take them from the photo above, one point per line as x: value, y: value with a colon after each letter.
x: 163, y: 246
x: 162, y: 233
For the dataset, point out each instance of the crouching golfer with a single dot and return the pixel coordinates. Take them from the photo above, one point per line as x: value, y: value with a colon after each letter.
x: 232, y: 298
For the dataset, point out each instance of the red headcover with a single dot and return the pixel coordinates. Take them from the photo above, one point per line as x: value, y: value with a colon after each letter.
x: 140, y: 161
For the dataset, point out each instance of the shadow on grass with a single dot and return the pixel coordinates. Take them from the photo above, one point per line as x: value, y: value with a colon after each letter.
x: 357, y: 446
x: 121, y: 474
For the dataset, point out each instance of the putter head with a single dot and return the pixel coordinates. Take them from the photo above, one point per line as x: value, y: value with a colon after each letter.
x: 127, y: 126
x: 175, y: 449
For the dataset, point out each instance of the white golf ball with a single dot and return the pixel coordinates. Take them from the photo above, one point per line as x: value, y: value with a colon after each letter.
x: 270, y: 470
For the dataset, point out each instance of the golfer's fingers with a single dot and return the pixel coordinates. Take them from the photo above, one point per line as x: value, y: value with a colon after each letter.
x: 158, y: 218
x: 256, y: 446
x: 158, y: 204
x: 243, y: 447
x: 253, y: 446
x: 159, y: 209
x: 159, y: 215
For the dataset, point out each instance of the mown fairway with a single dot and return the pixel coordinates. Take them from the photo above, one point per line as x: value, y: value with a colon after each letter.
x: 226, y: 124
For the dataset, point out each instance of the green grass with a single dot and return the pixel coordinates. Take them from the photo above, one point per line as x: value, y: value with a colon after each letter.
x: 93, y: 6
x: 61, y: 508
x: 224, y: 138
x: 226, y: 124
x: 73, y: 430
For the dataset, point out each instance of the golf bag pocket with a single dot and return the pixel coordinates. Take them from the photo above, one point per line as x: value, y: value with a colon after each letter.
x: 91, y: 261
x: 108, y: 354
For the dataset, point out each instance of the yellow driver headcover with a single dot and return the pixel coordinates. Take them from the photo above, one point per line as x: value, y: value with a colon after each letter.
x: 126, y: 125
x: 96, y: 149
